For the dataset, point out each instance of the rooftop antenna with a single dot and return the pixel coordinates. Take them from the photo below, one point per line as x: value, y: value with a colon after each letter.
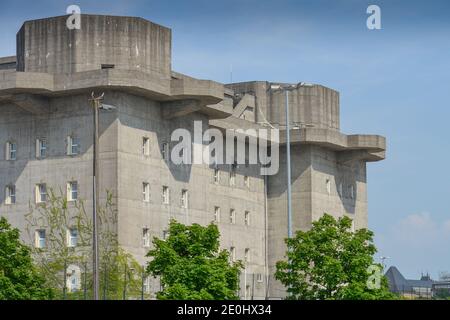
x: 231, y: 73
x: 383, y: 259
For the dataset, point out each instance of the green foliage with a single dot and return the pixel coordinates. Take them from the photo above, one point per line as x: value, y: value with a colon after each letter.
x: 119, y: 273
x: 331, y: 262
x: 192, y: 266
x: 121, y: 277
x: 19, y: 279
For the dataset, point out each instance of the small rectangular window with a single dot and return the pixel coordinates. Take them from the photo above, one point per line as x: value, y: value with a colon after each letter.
x: 259, y: 277
x: 233, y: 176
x: 247, y: 255
x: 233, y: 254
x: 10, y: 195
x: 232, y: 216
x: 247, y: 181
x: 40, y: 241
x: 146, y: 192
x: 108, y: 66
x: 145, y: 146
x: 184, y: 198
x: 166, y: 195
x: 72, y: 237
x: 217, y: 214
x: 247, y: 218
x: 11, y: 151
x: 328, y: 186
x: 248, y: 292
x: 41, y: 148
x: 146, y: 237
x: 146, y: 285
x: 73, y: 145
x: 41, y: 193
x: 216, y: 176
x: 72, y: 191
x: 165, y: 151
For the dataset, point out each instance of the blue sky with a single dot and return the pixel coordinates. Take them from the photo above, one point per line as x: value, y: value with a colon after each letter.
x: 394, y: 82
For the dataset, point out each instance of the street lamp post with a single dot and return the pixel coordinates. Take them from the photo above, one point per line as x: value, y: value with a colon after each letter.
x: 95, y: 193
x: 97, y: 106
x: 288, y: 163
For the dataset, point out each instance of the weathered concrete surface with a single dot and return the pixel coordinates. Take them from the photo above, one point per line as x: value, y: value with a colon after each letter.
x: 46, y: 95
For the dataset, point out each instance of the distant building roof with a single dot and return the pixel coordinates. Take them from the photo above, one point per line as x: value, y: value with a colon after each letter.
x: 398, y: 283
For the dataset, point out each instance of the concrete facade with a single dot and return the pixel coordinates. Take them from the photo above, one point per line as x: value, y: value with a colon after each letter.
x: 44, y: 94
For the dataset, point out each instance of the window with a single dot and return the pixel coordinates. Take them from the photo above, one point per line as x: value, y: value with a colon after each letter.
x: 217, y: 214
x: 247, y: 255
x: 340, y: 189
x: 10, y: 195
x: 259, y: 277
x: 328, y: 186
x: 146, y: 285
x: 145, y: 146
x: 352, y: 191
x: 247, y: 218
x: 41, y: 193
x: 11, y: 151
x: 233, y: 176
x: 72, y: 191
x: 108, y: 66
x: 165, y: 151
x: 247, y: 181
x: 216, y: 176
x: 248, y: 292
x: 40, y: 239
x: 233, y: 254
x: 184, y: 198
x: 73, y: 283
x: 232, y: 216
x: 72, y: 237
x: 145, y: 237
x: 166, y: 195
x: 41, y: 148
x: 165, y: 234
x: 73, y: 146
x: 146, y: 192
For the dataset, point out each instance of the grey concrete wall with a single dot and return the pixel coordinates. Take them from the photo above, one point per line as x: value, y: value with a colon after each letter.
x: 142, y: 118
x: 47, y: 45
x: 67, y: 116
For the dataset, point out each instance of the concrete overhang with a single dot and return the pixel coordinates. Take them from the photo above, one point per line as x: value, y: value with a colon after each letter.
x: 208, y: 94
x: 348, y: 147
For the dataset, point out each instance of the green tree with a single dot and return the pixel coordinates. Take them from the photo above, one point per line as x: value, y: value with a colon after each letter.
x: 191, y: 265
x: 119, y: 272
x: 331, y: 262
x: 19, y: 279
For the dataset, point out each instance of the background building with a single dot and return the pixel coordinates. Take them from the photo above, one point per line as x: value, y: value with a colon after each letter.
x: 425, y: 288
x: 46, y: 130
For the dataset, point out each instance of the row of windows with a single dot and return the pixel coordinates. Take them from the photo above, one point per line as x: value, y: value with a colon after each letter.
x: 73, y: 148
x: 146, y: 239
x: 350, y: 193
x: 40, y: 240
x: 232, y: 176
x: 41, y: 194
x: 72, y: 241
x: 72, y: 143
